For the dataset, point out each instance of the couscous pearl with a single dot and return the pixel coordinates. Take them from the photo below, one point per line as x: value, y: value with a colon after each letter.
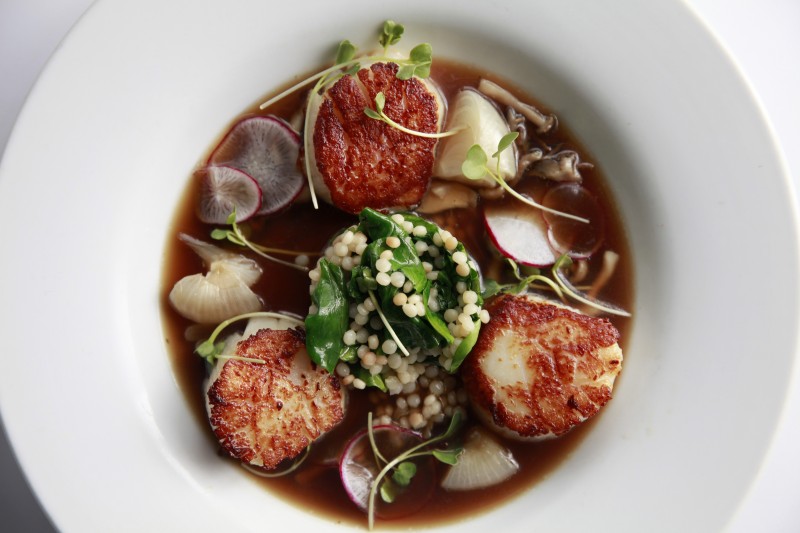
x: 349, y: 337
x: 416, y: 420
x: 433, y: 251
x: 451, y: 244
x: 361, y: 310
x: 389, y: 346
x: 362, y: 350
x: 401, y: 403
x: 437, y: 239
x: 400, y: 299
x: 382, y: 360
x: 336, y: 260
x: 398, y: 218
x: 420, y: 308
x: 394, y: 361
x: 383, y: 265
x: 342, y: 370
x: 470, y: 297
x: 414, y: 298
x: 368, y: 359
x: 313, y: 275
x: 450, y: 315
x: 368, y: 304
x: 341, y: 249
x: 459, y: 257
x: 421, y: 247
x: 361, y: 247
x: 359, y: 384
x: 408, y: 227
x: 484, y: 314
x: 301, y: 260
x: 431, y: 371
x: 347, y: 237
x: 419, y: 231
x: 462, y: 270
x: 433, y: 305
x: 409, y: 387
x: 471, y: 309
x: 408, y: 286
x: 347, y: 263
x: 436, y: 387
x: 386, y: 254
x: 375, y: 370
x: 373, y: 342
x: 413, y: 400
x: 383, y: 278
x: 361, y: 320
x: 361, y: 336
x: 393, y: 241
x: 433, y: 276
x: 461, y: 287
x: 427, y: 266
x: 347, y: 380
x: 398, y: 279
x: 410, y: 310
x: 313, y: 309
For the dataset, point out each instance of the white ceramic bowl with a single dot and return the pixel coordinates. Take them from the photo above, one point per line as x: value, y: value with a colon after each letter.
x: 139, y: 90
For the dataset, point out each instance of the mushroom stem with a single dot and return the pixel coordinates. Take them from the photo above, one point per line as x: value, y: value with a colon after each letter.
x: 543, y: 123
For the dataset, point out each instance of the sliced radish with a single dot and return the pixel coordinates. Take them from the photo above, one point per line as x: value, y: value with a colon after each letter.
x: 519, y: 232
x: 358, y: 469
x: 483, y: 463
x: 266, y: 148
x: 224, y: 189
x: 576, y: 239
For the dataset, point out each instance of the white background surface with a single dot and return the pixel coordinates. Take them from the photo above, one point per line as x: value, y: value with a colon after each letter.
x: 763, y: 38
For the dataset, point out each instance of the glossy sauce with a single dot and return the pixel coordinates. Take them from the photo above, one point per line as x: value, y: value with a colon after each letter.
x: 316, y: 487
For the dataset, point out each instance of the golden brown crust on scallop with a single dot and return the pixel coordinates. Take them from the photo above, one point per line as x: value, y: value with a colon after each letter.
x: 539, y: 369
x: 365, y: 162
x: 263, y: 414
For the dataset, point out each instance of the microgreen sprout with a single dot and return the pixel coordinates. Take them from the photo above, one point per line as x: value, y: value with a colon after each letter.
x: 235, y: 235
x: 378, y: 114
x: 390, y: 35
x: 533, y: 275
x: 475, y: 167
x: 402, y: 468
x: 211, y: 350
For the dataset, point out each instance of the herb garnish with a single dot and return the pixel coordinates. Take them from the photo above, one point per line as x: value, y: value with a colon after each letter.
x: 378, y: 114
x: 402, y: 468
x: 475, y: 167
x: 236, y: 236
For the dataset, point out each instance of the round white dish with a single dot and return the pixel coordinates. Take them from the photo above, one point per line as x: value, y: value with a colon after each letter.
x: 131, y: 101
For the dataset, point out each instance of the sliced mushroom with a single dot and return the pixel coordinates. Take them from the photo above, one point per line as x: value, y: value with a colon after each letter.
x: 558, y: 166
x: 222, y: 292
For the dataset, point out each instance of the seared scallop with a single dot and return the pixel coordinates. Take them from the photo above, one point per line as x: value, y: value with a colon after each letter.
x: 358, y: 161
x: 539, y: 369
x: 263, y: 414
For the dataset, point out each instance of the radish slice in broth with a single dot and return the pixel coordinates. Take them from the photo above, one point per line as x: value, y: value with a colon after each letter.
x: 576, y: 239
x: 519, y: 232
x: 267, y: 149
x: 225, y: 189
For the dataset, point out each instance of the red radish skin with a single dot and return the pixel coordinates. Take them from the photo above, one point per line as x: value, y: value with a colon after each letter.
x: 357, y: 469
x: 267, y: 149
x: 223, y: 190
x: 519, y: 232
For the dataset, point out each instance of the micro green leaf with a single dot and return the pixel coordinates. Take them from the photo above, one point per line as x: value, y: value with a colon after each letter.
x: 345, y: 52
x: 404, y: 473
x: 371, y: 113
x: 474, y: 166
x: 449, y: 457
x: 387, y: 491
x: 406, y: 72
x: 506, y: 141
x: 219, y: 234
x: 391, y: 34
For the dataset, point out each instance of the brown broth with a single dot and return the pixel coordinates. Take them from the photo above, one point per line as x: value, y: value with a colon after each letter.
x: 317, y: 488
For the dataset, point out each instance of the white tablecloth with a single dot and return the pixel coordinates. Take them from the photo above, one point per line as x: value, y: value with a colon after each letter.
x: 763, y: 37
